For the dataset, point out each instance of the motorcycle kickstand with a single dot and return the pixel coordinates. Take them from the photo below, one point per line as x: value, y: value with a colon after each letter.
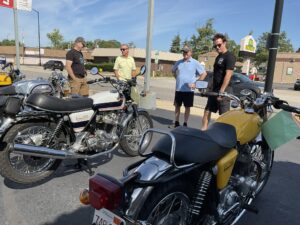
x: 84, y: 162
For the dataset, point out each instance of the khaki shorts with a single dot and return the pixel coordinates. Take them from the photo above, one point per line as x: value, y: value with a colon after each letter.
x: 79, y: 86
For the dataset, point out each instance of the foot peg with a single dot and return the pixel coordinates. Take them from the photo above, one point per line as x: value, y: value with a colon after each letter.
x: 250, y: 208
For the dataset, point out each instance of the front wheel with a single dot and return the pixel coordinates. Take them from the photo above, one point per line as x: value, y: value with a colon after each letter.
x: 262, y: 162
x: 26, y: 169
x: 133, y: 133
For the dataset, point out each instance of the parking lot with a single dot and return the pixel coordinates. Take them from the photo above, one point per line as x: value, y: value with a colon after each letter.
x: 55, y: 202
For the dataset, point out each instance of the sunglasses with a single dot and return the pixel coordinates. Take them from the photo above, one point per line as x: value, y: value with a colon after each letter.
x: 217, y: 46
x: 123, y: 49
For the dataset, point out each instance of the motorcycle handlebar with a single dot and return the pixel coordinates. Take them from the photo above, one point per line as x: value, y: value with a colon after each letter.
x: 286, y: 107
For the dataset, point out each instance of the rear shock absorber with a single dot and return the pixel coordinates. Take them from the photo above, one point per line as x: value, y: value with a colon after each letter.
x: 199, y: 196
x: 56, y: 132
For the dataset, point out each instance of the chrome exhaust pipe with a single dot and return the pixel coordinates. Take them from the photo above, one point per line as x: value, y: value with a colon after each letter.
x: 45, y: 152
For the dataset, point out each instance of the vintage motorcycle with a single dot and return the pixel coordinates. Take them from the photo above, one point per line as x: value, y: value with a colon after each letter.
x: 51, y: 129
x: 10, y: 76
x: 192, y: 176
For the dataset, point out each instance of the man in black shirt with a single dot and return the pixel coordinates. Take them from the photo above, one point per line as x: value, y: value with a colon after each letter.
x: 223, y: 70
x: 76, y: 70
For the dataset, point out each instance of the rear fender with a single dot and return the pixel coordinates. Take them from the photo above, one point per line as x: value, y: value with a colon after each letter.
x: 151, y: 169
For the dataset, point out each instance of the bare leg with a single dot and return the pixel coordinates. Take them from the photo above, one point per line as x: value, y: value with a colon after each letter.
x: 187, y: 114
x: 177, y: 112
x: 205, y: 120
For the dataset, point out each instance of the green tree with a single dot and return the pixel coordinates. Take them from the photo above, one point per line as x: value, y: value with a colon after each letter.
x: 262, y: 53
x: 298, y: 51
x: 202, y: 41
x: 131, y: 44
x: 55, y: 37
x: 7, y: 42
x: 175, y: 46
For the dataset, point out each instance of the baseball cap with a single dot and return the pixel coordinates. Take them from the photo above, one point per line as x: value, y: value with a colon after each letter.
x: 80, y: 39
x: 186, y: 49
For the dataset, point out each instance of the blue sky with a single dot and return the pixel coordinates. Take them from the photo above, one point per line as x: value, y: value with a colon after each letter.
x: 126, y: 20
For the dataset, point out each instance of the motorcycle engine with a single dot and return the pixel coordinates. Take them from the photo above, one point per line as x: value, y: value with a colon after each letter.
x: 101, y: 141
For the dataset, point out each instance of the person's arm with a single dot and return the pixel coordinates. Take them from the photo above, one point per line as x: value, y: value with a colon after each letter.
x: 116, y: 69
x: 70, y: 70
x: 201, y: 75
x: 174, y: 69
x: 230, y: 64
x: 133, y: 71
x: 226, y: 81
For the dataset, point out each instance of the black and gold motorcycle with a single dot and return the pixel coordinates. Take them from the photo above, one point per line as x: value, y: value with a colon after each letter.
x: 191, y: 176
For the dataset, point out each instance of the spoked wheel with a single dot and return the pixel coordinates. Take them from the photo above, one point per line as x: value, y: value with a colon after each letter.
x: 23, y: 168
x: 133, y: 133
x: 168, y: 205
x: 262, y: 162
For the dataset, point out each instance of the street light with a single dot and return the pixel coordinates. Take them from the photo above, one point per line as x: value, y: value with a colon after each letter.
x: 38, y: 14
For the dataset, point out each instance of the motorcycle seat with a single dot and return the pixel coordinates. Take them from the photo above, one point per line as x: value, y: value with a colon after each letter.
x: 196, y: 146
x: 8, y: 90
x: 58, y: 105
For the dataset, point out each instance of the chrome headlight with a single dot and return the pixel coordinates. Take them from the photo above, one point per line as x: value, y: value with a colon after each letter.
x: 42, y: 88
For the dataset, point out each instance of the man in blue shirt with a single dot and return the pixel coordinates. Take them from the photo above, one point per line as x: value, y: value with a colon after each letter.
x: 186, y: 72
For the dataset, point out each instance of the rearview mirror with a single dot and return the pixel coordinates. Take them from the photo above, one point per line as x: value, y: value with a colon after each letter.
x: 94, y: 71
x: 142, y: 70
x: 201, y: 84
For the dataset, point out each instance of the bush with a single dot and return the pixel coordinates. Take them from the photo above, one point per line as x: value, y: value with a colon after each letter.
x: 108, y: 67
x: 163, y: 74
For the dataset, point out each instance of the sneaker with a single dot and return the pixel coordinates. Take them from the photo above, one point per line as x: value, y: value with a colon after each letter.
x: 176, y: 124
x: 185, y: 124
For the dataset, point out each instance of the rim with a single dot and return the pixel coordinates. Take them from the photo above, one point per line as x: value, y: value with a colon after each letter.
x: 31, y: 165
x: 173, y: 209
x: 134, y: 134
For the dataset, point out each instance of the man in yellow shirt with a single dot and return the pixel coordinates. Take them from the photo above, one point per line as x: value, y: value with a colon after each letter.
x: 124, y: 65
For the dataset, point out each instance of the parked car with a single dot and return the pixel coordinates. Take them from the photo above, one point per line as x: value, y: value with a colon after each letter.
x: 297, y: 85
x: 53, y: 65
x: 240, y: 82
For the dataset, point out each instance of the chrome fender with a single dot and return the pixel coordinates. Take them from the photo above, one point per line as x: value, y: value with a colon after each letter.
x: 149, y: 170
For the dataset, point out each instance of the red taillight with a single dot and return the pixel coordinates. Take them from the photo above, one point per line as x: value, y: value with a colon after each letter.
x: 104, y: 193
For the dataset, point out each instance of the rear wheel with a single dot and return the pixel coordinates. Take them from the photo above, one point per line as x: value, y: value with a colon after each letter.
x: 133, y: 133
x: 26, y: 169
x: 167, y: 205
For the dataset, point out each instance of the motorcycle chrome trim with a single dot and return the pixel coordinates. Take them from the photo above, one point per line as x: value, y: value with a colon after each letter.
x: 6, y: 123
x: 149, y: 170
x: 45, y: 152
x: 173, y: 147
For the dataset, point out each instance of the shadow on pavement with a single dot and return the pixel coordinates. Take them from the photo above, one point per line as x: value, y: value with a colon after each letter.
x: 278, y: 203
x: 81, y: 216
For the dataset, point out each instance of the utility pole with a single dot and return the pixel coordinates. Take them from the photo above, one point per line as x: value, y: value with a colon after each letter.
x: 273, y: 45
x: 16, y: 35
x: 149, y: 45
x: 39, y: 36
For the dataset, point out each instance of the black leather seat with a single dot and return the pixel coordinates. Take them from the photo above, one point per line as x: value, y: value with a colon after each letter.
x: 9, y: 90
x: 54, y: 104
x: 196, y: 146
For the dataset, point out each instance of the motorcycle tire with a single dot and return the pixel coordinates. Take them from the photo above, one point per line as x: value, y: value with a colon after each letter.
x: 7, y: 169
x: 130, y: 145
x: 169, y: 196
x: 268, y: 158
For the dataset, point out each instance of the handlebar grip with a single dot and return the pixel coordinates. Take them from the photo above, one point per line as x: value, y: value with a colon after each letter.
x: 281, y: 104
x: 214, y: 94
x: 91, y: 81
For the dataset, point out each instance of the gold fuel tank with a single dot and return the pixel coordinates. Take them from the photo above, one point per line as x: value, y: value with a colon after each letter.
x: 225, y: 166
x: 247, y: 125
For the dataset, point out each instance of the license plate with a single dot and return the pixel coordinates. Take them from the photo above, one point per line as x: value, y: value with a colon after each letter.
x: 106, y: 217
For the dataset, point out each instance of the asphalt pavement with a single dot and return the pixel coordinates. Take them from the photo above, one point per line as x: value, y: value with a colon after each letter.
x: 55, y: 202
